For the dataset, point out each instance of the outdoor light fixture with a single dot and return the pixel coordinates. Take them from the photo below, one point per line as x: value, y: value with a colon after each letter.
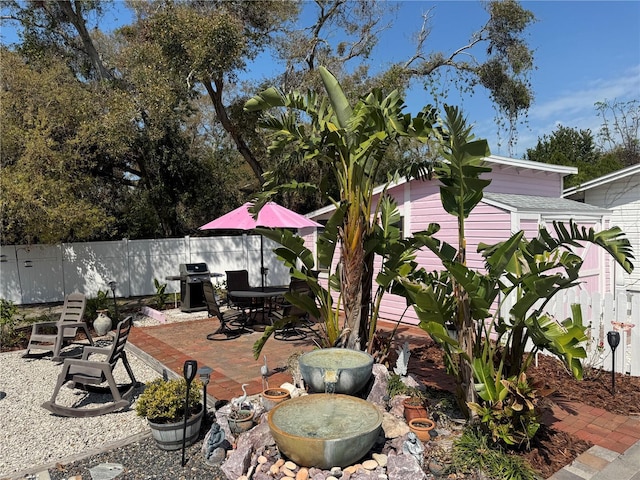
x: 205, y: 374
x: 112, y: 285
x: 613, y: 338
x: 189, y: 371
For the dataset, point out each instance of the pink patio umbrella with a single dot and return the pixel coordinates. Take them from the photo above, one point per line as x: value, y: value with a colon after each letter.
x: 271, y: 215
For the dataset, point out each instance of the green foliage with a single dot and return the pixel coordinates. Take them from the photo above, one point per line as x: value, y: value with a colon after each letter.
x: 529, y: 272
x: 507, y: 411
x: 396, y: 386
x: 9, y: 320
x: 160, y: 297
x: 99, y: 302
x: 474, y: 452
x: 351, y: 142
x: 575, y: 148
x: 162, y: 401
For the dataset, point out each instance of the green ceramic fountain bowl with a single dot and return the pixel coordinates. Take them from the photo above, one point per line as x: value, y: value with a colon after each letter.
x: 325, y: 430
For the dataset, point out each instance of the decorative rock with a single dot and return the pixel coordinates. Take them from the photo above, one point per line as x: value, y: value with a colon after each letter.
x: 351, y: 469
x: 381, y: 458
x: 262, y: 459
x: 216, y: 457
x: 378, y: 393
x: 274, y: 469
x: 405, y: 467
x: 370, y: 464
x: 106, y: 471
x: 393, y: 426
x: 287, y: 473
x: 279, y: 462
x: 303, y: 474
x: 243, y: 477
x: 238, y: 462
x: 290, y: 465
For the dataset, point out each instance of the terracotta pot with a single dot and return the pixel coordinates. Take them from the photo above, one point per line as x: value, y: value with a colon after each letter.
x: 412, y: 410
x: 240, y: 421
x: 421, y: 427
x: 273, y: 396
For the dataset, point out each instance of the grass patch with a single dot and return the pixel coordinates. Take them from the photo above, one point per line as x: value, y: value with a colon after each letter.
x: 474, y: 451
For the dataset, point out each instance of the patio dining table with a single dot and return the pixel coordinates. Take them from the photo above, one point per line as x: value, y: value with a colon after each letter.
x: 262, y: 295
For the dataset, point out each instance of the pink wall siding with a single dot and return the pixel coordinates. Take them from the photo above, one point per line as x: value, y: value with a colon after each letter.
x: 487, y: 224
x: 506, y: 179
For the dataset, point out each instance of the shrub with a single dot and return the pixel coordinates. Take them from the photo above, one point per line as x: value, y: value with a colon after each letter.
x: 160, y: 296
x: 163, y: 400
x: 99, y: 302
x: 9, y: 335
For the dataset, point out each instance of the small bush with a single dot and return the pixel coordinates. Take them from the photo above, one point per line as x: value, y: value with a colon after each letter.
x: 99, y: 302
x: 9, y: 320
x: 163, y: 400
x: 160, y: 296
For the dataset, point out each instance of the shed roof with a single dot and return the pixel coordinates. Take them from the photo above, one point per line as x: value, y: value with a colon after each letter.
x: 603, y: 180
x: 531, y: 203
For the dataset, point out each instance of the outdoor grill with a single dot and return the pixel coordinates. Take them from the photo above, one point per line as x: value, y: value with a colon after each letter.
x: 191, y: 293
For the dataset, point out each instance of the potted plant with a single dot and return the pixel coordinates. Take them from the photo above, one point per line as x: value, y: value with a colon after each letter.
x: 273, y: 396
x: 415, y: 403
x: 422, y: 427
x: 162, y: 404
x: 240, y: 419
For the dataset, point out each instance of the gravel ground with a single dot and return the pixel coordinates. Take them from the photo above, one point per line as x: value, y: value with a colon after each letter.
x: 32, y: 439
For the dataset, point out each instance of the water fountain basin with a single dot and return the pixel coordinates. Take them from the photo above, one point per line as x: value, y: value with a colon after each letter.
x: 350, y: 369
x: 325, y: 430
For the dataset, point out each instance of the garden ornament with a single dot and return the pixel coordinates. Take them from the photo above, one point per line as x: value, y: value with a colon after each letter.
x: 413, y: 446
x: 213, y: 448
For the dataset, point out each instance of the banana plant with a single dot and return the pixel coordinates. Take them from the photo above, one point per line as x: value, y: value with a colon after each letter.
x: 397, y: 259
x: 350, y: 141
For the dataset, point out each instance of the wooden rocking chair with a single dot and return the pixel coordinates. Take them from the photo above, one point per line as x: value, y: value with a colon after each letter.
x: 89, y: 374
x: 52, y: 336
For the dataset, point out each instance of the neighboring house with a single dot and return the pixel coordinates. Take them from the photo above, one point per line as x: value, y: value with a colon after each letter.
x: 522, y: 195
x: 620, y: 192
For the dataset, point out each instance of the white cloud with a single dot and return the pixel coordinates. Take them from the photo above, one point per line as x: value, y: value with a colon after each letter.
x: 569, y: 104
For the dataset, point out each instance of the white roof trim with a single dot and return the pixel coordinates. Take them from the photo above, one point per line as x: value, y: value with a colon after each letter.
x: 603, y: 180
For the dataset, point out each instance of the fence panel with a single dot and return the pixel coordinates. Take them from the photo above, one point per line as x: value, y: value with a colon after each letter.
x: 602, y: 313
x: 46, y: 273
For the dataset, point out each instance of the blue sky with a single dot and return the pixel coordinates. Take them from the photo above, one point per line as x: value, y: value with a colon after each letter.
x: 585, y: 52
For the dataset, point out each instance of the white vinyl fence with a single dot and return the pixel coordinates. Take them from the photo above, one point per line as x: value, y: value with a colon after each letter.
x: 46, y: 273
x: 604, y: 313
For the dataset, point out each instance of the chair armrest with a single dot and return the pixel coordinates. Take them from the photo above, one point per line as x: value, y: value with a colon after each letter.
x: 86, y: 351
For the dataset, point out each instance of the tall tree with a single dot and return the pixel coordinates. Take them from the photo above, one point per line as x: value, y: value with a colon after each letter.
x: 49, y: 193
x: 577, y: 148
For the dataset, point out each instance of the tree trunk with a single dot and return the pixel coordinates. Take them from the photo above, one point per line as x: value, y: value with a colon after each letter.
x: 466, y: 391
x: 77, y: 20
x: 351, y: 282
x: 215, y: 94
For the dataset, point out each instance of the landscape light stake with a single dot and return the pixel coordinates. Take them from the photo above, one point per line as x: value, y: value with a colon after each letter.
x: 613, y: 338
x: 205, y: 374
x: 112, y: 286
x: 189, y: 371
